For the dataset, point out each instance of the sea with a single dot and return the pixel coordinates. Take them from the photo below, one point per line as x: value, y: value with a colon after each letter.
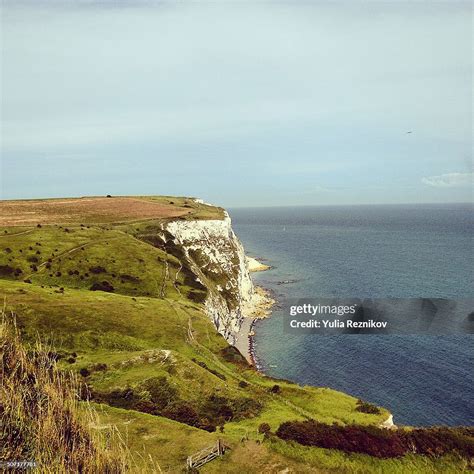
x: 373, y: 251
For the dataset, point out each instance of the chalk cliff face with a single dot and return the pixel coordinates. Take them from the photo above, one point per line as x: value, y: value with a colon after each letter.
x: 217, y: 259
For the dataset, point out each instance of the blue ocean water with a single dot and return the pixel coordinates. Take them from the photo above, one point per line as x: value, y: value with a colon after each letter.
x: 369, y: 252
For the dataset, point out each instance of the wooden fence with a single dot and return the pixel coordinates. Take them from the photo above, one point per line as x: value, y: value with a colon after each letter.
x: 206, y: 455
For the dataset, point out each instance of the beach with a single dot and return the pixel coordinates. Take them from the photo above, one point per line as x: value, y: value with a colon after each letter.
x: 259, y: 307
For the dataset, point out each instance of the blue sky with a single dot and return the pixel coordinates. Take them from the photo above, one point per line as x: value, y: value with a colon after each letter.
x: 240, y: 103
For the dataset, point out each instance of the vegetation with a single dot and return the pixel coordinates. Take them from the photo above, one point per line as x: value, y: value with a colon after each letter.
x: 379, y: 442
x: 120, y: 306
x: 366, y: 407
x: 41, y: 419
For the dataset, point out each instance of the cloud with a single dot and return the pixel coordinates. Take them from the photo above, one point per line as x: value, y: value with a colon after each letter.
x: 449, y: 180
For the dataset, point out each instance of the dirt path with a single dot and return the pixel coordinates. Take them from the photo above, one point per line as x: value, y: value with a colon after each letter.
x: 210, y: 357
x: 18, y: 233
x: 88, y: 243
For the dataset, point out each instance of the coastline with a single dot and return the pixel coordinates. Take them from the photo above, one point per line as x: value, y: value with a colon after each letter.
x: 258, y: 308
x: 254, y: 265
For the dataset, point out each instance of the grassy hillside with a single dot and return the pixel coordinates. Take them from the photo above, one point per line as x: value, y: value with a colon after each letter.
x: 126, y: 316
x: 42, y: 421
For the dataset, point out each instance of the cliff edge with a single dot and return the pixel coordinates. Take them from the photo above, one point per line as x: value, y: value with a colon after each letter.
x: 215, y: 255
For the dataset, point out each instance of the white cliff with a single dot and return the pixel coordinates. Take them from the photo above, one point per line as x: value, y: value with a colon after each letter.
x: 217, y: 258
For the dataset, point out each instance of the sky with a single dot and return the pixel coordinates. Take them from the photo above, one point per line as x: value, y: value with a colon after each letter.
x: 239, y: 103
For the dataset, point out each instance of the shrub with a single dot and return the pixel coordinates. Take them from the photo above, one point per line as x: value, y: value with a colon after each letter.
x: 231, y: 354
x: 103, y: 286
x: 126, y: 398
x: 376, y: 442
x: 265, y: 429
x: 129, y: 278
x: 32, y: 259
x: 84, y: 372
x: 379, y: 442
x: 145, y: 406
x: 218, y: 409
x: 243, y: 384
x: 97, y: 270
x: 275, y: 389
x: 197, y: 296
x: 99, y: 367
x: 245, y: 408
x: 208, y: 425
x: 183, y: 412
x: 439, y: 441
x: 365, y: 407
x: 162, y: 393
x: 212, y: 371
x: 6, y: 270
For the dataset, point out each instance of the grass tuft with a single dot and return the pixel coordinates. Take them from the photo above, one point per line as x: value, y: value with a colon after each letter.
x: 41, y: 417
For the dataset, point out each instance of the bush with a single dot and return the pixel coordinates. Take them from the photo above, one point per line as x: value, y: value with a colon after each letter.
x: 243, y: 384
x: 245, y: 408
x: 103, y: 286
x: 439, y: 441
x: 145, y: 406
x: 84, y: 372
x: 99, y: 367
x: 162, y: 393
x: 212, y: 371
x: 125, y: 398
x: 379, y: 442
x: 183, y: 412
x: 129, y: 278
x: 97, y: 270
x: 264, y: 429
x: 231, y: 354
x: 275, y: 389
x: 350, y: 439
x: 197, y: 296
x: 218, y: 409
x: 6, y: 270
x: 365, y: 407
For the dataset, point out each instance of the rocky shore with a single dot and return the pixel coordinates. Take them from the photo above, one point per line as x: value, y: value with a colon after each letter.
x: 258, y: 307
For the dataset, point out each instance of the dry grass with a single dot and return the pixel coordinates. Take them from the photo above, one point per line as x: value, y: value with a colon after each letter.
x: 92, y: 210
x: 41, y: 418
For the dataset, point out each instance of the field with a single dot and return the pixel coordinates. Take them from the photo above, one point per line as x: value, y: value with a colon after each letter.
x: 127, y: 317
x: 100, y: 210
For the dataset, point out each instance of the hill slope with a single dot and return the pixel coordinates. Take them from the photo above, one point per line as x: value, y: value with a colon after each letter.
x: 131, y: 300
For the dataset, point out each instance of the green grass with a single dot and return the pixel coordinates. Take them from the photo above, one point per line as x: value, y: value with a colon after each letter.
x: 142, y: 331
